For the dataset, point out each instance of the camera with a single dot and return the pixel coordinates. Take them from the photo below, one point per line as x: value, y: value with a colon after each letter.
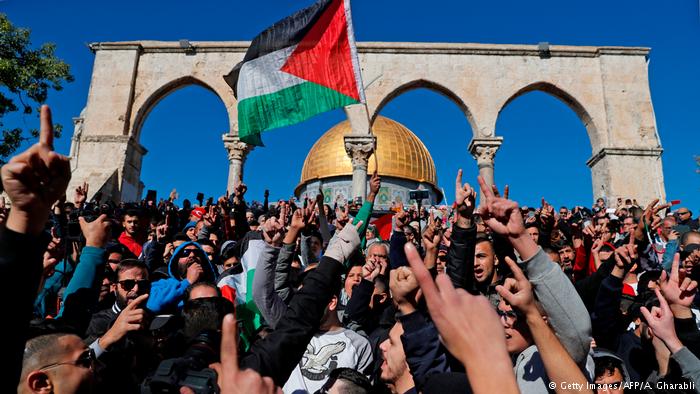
x: 190, y: 370
x: 418, y: 195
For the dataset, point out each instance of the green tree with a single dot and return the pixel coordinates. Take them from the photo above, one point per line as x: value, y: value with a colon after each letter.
x: 26, y: 76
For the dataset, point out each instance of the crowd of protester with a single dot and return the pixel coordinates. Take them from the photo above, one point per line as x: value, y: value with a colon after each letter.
x: 236, y: 297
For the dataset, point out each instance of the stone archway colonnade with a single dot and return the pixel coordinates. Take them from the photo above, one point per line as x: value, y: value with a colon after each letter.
x: 607, y: 87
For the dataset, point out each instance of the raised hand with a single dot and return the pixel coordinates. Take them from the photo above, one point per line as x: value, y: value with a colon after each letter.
x: 404, y: 289
x: 81, y: 193
x: 342, y: 216
x: 371, y: 270
x: 432, y: 235
x: 517, y: 291
x: 273, y: 231
x: 660, y: 319
x: 375, y: 182
x: 129, y: 319
x: 239, y: 193
x: 546, y: 212
x: 625, y: 257
x: 503, y: 217
x: 465, y: 200
x: 231, y: 379
x: 478, y: 343
x: 649, y: 218
x: 97, y: 232
x: 52, y: 255
x: 401, y: 218
x: 678, y: 289
x: 34, y: 180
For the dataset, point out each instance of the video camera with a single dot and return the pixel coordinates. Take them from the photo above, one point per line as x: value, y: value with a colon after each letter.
x: 190, y: 370
x: 89, y: 212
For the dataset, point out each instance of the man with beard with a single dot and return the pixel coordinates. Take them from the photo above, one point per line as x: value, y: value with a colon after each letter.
x: 133, y: 236
x: 117, y: 335
x: 567, y: 257
x: 132, y: 284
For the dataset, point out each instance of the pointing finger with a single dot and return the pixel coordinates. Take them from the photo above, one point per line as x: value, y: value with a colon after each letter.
x: 229, y: 348
x: 135, y: 303
x: 46, y: 133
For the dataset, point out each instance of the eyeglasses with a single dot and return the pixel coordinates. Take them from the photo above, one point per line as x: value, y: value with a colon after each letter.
x: 86, y: 360
x: 188, y: 252
x: 128, y: 284
x: 684, y: 213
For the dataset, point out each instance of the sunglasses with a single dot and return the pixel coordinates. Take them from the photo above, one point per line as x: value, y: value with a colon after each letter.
x: 188, y: 252
x: 86, y: 360
x: 128, y: 284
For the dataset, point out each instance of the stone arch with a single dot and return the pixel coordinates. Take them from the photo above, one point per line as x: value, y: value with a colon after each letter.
x: 142, y: 112
x: 567, y: 98
x: 432, y: 86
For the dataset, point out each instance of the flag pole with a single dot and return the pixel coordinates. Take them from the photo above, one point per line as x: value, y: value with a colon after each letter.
x: 369, y: 124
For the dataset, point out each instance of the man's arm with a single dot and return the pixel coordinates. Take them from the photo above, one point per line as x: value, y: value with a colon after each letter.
x: 33, y: 180
x: 566, y: 312
x: 301, y: 320
x: 460, y: 257
x: 271, y: 306
x: 561, y: 368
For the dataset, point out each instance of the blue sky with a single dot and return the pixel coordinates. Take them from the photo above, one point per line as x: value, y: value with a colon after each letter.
x: 545, y: 146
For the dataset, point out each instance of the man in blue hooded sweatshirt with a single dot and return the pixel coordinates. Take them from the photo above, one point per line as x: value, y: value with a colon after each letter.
x: 188, y: 265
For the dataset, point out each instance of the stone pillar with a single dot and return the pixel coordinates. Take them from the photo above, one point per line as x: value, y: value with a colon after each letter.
x: 484, y: 151
x: 627, y: 173
x: 360, y: 148
x: 237, y: 152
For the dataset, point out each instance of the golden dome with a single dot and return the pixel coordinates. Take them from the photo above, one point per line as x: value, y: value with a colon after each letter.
x: 400, y: 154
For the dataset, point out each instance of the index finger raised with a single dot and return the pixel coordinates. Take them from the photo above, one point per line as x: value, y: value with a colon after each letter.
x: 229, y: 347
x: 135, y: 303
x: 46, y: 133
x: 430, y: 291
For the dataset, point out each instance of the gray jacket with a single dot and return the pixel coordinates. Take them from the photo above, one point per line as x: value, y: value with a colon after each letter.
x: 566, y: 314
x: 269, y: 303
x: 690, y: 366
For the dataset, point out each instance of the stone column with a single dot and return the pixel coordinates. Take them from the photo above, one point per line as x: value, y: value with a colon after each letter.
x: 237, y: 152
x: 628, y: 173
x: 360, y: 148
x: 484, y: 151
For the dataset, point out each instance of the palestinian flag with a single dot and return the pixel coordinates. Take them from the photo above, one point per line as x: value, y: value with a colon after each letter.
x: 302, y: 66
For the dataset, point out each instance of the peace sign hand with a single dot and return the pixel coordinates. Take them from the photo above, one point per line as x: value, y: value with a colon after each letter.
x: 34, y: 180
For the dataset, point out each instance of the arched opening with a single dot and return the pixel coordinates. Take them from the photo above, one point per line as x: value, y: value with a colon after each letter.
x: 431, y: 86
x: 546, y: 142
x: 182, y: 131
x: 159, y: 94
x: 437, y: 117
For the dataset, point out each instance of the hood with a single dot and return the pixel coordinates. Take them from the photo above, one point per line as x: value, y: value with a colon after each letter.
x: 601, y: 352
x: 209, y: 271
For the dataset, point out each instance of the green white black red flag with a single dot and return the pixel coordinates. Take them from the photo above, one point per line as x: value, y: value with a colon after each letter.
x: 301, y: 66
